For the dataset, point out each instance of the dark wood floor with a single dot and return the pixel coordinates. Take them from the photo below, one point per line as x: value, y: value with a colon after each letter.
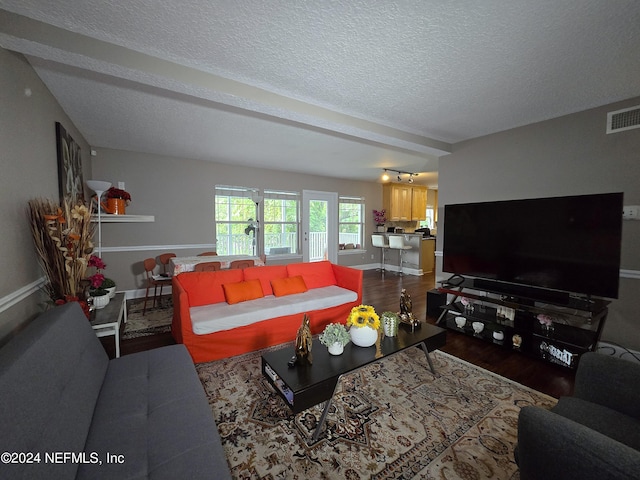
x: 383, y: 292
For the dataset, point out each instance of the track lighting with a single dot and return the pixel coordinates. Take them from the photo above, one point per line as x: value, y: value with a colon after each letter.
x: 385, y: 175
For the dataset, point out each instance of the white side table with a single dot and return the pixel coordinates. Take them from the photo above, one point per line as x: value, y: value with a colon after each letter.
x: 106, y: 321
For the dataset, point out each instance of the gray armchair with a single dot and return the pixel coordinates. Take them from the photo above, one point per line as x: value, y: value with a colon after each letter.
x: 593, y: 435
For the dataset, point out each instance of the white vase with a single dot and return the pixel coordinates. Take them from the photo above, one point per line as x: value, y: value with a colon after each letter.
x: 101, y: 301
x: 336, y: 349
x: 112, y: 291
x: 363, y: 336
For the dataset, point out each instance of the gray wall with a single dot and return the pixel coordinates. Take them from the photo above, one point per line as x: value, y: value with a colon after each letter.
x: 180, y: 194
x: 565, y: 156
x: 29, y: 170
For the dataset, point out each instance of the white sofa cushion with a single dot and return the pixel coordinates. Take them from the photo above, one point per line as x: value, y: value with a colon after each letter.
x: 222, y: 316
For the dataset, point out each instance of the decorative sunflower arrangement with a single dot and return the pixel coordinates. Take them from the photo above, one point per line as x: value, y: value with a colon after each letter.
x: 363, y: 316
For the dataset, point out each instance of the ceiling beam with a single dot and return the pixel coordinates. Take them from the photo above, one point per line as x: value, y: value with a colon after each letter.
x: 42, y: 40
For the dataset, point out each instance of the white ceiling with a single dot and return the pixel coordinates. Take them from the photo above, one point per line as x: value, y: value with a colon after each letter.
x: 340, y: 88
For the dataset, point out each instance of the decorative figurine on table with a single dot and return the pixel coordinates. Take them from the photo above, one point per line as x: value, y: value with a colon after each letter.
x: 304, y: 342
x: 406, y: 314
x: 379, y: 353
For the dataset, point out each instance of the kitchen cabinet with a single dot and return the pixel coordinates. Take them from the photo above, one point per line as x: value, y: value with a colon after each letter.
x: 428, y: 254
x: 418, y: 203
x: 404, y: 202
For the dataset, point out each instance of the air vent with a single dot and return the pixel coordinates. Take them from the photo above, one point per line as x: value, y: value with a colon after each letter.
x: 625, y: 119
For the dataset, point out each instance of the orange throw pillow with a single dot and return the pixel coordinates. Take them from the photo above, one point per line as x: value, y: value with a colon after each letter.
x: 288, y: 286
x: 242, y: 291
x: 204, y: 288
x: 265, y: 275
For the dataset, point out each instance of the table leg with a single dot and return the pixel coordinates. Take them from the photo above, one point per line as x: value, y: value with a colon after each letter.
x: 426, y: 352
x: 323, y: 417
x: 117, y: 340
x: 121, y: 314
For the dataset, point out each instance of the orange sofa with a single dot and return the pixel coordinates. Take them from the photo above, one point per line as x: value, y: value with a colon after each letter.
x: 228, y: 306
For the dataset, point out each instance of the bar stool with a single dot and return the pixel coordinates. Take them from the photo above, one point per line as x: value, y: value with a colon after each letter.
x: 378, y: 241
x: 396, y: 242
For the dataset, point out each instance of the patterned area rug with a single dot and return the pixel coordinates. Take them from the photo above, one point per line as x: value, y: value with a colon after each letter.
x: 156, y: 320
x: 390, y: 420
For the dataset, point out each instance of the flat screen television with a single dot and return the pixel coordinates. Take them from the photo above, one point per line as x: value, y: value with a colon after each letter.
x: 568, y: 244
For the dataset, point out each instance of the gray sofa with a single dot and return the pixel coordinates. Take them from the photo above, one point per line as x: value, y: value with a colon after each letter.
x: 594, y: 434
x: 67, y: 411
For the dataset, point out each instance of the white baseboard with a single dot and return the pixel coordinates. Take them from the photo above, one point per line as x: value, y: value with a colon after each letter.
x: 389, y: 268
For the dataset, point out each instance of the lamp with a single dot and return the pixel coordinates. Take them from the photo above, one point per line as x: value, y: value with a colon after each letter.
x: 99, y: 187
x: 385, y: 175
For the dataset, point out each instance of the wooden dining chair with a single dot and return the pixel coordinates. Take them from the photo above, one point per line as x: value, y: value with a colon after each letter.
x: 164, y: 260
x: 149, y: 267
x: 241, y: 264
x: 207, y: 254
x: 207, y: 267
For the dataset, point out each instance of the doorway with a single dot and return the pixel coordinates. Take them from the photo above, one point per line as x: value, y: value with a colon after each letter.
x: 319, y: 226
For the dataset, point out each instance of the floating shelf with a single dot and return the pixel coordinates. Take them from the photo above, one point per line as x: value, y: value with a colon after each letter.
x: 109, y: 218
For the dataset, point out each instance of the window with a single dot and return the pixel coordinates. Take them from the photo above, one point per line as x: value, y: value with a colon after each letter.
x: 235, y: 225
x: 430, y: 221
x: 351, y: 222
x: 281, y: 222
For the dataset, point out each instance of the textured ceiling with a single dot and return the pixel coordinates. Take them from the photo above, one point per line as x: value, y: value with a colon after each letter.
x: 339, y: 88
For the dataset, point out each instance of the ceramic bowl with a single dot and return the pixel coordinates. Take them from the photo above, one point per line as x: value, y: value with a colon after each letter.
x: 498, y: 335
x: 477, y: 326
x: 461, y: 322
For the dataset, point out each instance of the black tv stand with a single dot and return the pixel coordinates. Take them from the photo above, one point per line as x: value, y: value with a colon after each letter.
x: 522, y: 291
x: 518, y: 300
x: 455, y: 280
x: 555, y: 328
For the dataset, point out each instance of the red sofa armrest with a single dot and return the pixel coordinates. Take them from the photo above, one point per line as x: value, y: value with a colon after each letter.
x: 347, y: 277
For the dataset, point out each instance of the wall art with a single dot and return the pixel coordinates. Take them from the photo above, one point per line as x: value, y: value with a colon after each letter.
x: 70, y: 182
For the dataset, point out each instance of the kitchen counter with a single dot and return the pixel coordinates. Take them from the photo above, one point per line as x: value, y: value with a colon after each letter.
x: 417, y: 261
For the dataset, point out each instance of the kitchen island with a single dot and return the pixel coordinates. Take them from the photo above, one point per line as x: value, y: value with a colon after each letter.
x: 417, y: 261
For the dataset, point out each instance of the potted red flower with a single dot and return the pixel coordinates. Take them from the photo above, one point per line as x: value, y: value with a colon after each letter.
x: 98, y: 280
x: 117, y: 200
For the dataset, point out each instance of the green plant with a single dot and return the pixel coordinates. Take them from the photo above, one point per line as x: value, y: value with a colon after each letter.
x: 390, y: 320
x: 333, y: 333
x: 98, y: 292
x: 107, y: 283
x: 389, y: 315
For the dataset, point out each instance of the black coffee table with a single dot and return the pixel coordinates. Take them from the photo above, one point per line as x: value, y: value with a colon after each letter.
x: 304, y: 385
